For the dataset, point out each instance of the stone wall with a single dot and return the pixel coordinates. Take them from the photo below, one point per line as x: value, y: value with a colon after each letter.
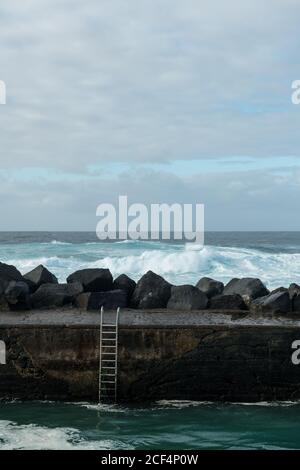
x: 235, y: 362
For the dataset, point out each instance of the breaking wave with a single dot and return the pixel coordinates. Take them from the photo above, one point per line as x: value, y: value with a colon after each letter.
x: 34, y: 437
x: 177, y: 263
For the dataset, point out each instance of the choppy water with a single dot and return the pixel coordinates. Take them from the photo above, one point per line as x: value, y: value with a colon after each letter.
x: 272, y: 256
x: 163, y: 425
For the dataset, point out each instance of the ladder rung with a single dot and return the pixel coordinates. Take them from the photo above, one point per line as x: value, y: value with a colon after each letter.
x: 108, y: 349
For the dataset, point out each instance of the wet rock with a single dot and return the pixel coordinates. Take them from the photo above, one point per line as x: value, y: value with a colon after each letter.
x: 210, y: 287
x: 4, y: 305
x: 187, y: 298
x: 275, y: 302
x: 294, y: 291
x: 249, y: 288
x: 280, y: 289
x: 227, y: 302
x: 17, y: 295
x: 8, y: 273
x: 296, y: 303
x: 126, y: 284
x: 93, y: 280
x: 152, y: 291
x: 110, y: 300
x: 55, y: 295
x: 38, y: 276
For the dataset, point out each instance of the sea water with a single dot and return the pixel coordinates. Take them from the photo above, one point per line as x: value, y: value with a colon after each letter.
x: 272, y: 256
x: 165, y: 425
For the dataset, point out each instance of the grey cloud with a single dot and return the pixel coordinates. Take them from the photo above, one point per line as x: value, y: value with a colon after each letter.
x: 249, y: 200
x: 140, y: 81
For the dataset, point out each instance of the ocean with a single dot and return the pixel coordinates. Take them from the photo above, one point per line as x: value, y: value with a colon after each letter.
x: 274, y: 257
x: 165, y: 425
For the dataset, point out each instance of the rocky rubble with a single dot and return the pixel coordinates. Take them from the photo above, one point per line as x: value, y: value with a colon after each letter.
x: 89, y: 289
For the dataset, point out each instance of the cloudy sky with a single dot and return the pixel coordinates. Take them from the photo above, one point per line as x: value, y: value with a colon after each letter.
x: 162, y: 100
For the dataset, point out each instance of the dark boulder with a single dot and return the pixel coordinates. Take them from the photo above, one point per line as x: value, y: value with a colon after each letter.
x: 110, y: 300
x: 17, y: 295
x: 210, y: 287
x: 296, y: 303
x: 8, y: 273
x: 93, y: 280
x: 187, y: 298
x: 4, y: 305
x: 275, y: 302
x: 55, y: 295
x: 38, y: 276
x: 126, y: 284
x: 152, y: 291
x: 294, y: 291
x: 227, y: 302
x: 280, y: 289
x: 248, y: 287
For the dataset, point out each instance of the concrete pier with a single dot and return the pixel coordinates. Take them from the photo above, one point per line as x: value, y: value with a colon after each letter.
x: 198, y: 355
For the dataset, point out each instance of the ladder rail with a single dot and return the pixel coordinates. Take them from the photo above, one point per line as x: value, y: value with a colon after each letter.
x: 108, y: 388
x: 100, y: 354
x: 116, y: 364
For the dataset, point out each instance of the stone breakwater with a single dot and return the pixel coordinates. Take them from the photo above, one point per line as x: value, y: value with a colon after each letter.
x: 89, y: 289
x: 191, y: 342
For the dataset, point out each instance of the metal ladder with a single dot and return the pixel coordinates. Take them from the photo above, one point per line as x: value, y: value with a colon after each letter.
x: 108, y: 358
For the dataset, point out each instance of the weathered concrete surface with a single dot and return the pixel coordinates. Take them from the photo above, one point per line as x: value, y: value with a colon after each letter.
x: 162, y: 355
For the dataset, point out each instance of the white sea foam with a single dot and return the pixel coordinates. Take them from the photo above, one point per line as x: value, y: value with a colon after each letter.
x: 33, y: 437
x: 186, y: 265
x: 177, y: 263
x: 57, y: 242
x: 181, y: 404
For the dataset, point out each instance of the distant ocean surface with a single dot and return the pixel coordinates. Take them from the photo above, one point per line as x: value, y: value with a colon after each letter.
x: 272, y: 256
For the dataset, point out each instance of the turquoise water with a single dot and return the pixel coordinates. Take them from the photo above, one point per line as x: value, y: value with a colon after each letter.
x: 272, y: 256
x: 163, y: 425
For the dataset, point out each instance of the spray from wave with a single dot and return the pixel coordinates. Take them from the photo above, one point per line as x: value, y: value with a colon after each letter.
x: 34, y: 437
x: 177, y: 263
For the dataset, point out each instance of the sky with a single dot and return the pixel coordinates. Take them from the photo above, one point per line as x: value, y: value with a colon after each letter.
x: 160, y: 100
